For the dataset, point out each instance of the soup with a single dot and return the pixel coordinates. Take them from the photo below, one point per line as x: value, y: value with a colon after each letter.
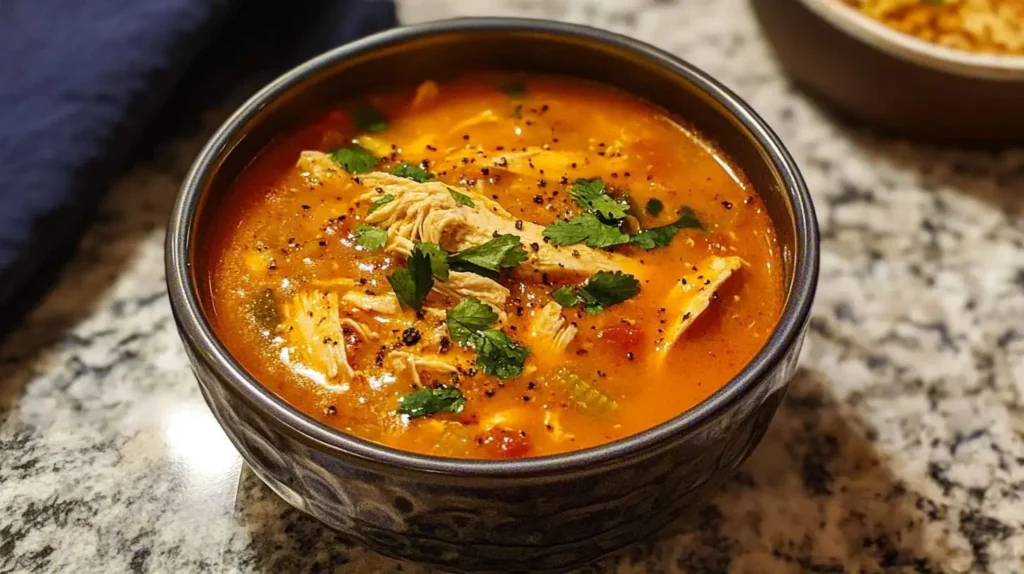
x: 495, y: 267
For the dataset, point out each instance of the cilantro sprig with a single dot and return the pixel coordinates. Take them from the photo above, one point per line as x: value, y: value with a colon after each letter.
x: 470, y: 324
x: 412, y: 283
x: 427, y: 402
x: 355, y: 159
x: 413, y: 172
x: 384, y: 200
x: 370, y: 237
x: 662, y: 236
x: 502, y: 252
x: 461, y: 198
x: 592, y: 195
x: 438, y: 260
x: 585, y: 228
x: 602, y: 290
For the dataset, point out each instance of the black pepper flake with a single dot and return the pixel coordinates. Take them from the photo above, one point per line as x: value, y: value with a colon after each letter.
x: 501, y: 162
x: 519, y: 311
x: 489, y: 393
x: 322, y: 243
x: 535, y: 246
x: 542, y: 183
x: 545, y: 279
x: 532, y: 385
x: 330, y: 410
x: 519, y: 224
x: 421, y: 314
x: 431, y: 148
x: 465, y: 137
x: 445, y: 345
x: 629, y: 355
x: 526, y: 398
x: 379, y: 359
x: 304, y: 206
x: 410, y: 336
x: 538, y: 199
x: 573, y: 165
x: 749, y: 200
x: 727, y: 204
x: 564, y: 180
x: 485, y: 170
x: 683, y: 280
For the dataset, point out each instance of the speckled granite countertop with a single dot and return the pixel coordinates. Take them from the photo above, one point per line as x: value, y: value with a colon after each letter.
x: 900, y: 446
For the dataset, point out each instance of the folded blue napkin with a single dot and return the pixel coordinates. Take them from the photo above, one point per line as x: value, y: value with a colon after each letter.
x: 84, y: 84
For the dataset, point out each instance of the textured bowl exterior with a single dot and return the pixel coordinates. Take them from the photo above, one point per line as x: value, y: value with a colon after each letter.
x: 498, y: 524
x: 532, y: 515
x: 888, y: 92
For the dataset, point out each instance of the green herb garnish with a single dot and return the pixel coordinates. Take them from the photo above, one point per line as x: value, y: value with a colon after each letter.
x: 469, y: 324
x: 371, y: 237
x: 502, y: 252
x: 662, y: 236
x: 412, y: 283
x: 591, y: 194
x: 369, y: 119
x: 513, y: 88
x: 654, y: 207
x: 602, y: 290
x: 585, y: 228
x: 355, y: 159
x: 461, y: 198
x: 413, y: 172
x: 384, y: 200
x: 432, y: 401
x: 438, y: 260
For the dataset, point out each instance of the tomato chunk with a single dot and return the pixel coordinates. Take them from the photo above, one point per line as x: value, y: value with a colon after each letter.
x: 504, y: 443
x: 623, y: 335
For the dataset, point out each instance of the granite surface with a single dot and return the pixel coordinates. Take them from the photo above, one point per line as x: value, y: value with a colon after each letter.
x: 900, y: 446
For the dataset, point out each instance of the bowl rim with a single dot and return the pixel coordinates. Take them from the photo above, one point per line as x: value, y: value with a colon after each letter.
x: 915, y: 50
x: 197, y: 331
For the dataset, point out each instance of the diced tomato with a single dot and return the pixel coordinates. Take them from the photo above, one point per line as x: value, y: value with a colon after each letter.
x: 623, y: 335
x: 503, y: 443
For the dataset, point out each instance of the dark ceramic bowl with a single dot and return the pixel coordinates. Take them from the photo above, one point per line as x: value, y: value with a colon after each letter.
x: 893, y: 81
x: 542, y: 514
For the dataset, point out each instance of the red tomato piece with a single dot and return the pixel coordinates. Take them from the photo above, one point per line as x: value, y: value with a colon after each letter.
x: 503, y: 443
x: 623, y: 335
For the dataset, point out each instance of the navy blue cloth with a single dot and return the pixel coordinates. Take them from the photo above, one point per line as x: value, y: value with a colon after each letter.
x: 84, y: 84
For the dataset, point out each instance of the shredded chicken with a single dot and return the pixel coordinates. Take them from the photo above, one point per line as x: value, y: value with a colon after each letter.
x: 402, y: 361
x: 312, y: 326
x: 318, y: 167
x: 385, y: 304
x: 426, y: 93
x: 551, y: 330
x: 485, y: 117
x: 428, y: 212
x: 360, y: 329
x: 692, y: 295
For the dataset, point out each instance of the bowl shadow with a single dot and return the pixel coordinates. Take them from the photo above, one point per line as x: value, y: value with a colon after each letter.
x: 814, y: 496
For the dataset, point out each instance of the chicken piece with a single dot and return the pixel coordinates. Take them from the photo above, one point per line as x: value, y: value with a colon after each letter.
x: 413, y: 363
x: 428, y: 212
x: 384, y: 304
x: 318, y: 167
x: 426, y: 93
x: 313, y: 327
x: 692, y: 295
x: 360, y: 329
x: 555, y: 163
x: 341, y: 283
x: 485, y: 117
x: 552, y: 332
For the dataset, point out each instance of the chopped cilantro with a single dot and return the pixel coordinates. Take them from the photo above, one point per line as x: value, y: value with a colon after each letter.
x: 566, y: 296
x: 602, y: 290
x: 654, y: 207
x: 384, y: 200
x: 662, y: 236
x: 513, y: 88
x: 413, y: 172
x: 590, y: 194
x: 438, y: 260
x: 467, y: 318
x: 461, y: 198
x: 427, y: 402
x: 502, y: 252
x: 585, y: 228
x: 412, y: 283
x: 369, y: 119
x: 355, y: 159
x: 371, y: 237
x: 469, y: 325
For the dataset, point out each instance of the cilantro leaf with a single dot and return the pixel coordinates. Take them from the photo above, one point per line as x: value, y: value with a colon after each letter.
x: 413, y: 172
x: 585, y: 228
x: 438, y: 260
x: 469, y: 324
x: 412, y: 283
x: 566, y: 296
x: 513, y: 88
x: 499, y: 355
x: 384, y: 200
x: 370, y: 237
x: 502, y: 252
x: 355, y: 159
x: 602, y: 290
x: 461, y: 198
x: 654, y: 207
x: 590, y: 194
x: 605, y: 289
x: 662, y: 236
x: 427, y: 402
x: 369, y: 119
x: 468, y: 318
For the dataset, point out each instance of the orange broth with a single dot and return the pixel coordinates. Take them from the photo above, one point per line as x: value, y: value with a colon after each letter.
x: 287, y: 231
